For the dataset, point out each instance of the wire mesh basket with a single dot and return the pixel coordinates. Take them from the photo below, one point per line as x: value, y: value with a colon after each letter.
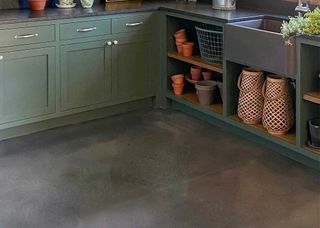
x: 210, y: 39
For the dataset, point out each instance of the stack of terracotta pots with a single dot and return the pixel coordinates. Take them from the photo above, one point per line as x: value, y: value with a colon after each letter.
x: 183, y: 46
x: 177, y: 83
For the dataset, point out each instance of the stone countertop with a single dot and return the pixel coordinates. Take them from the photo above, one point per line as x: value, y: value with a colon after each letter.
x: 202, y: 10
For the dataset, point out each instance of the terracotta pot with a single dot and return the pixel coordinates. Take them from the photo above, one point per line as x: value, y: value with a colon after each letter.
x: 196, y: 73
x: 180, y: 34
x: 179, y: 48
x: 177, y: 88
x: 37, y: 4
x: 177, y: 78
x: 187, y: 49
x: 181, y: 41
x: 207, y: 75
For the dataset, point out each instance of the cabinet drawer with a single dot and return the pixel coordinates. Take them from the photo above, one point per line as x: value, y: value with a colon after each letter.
x: 131, y: 23
x: 28, y: 35
x: 84, y: 29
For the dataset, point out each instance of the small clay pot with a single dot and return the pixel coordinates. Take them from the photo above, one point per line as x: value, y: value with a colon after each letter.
x: 195, y: 72
x: 179, y: 48
x: 181, y: 41
x: 37, y: 4
x: 177, y: 88
x: 207, y: 75
x: 177, y: 78
x: 180, y: 34
x: 187, y: 49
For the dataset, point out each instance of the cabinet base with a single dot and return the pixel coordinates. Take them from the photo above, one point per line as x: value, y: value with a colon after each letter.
x: 76, y: 118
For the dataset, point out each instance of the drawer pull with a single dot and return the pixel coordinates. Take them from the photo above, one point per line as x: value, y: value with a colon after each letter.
x: 1, y: 57
x: 86, y: 29
x: 134, y: 24
x: 26, y: 36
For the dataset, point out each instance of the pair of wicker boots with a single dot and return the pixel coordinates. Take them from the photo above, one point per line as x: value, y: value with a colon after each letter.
x: 268, y: 101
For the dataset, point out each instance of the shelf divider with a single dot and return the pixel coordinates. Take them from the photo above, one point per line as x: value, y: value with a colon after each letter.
x: 196, y: 60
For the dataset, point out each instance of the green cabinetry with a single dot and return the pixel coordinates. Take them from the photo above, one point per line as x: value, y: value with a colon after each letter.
x: 132, y: 68
x: 85, y: 74
x: 27, y: 84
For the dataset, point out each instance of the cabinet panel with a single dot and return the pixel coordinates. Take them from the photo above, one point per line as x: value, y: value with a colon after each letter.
x: 27, y: 35
x: 27, y: 84
x: 131, y: 68
x: 85, y: 74
x: 84, y: 29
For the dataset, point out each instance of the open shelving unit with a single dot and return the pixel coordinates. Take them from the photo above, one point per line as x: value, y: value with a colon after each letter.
x: 289, y: 137
x: 196, y: 60
x: 306, y: 99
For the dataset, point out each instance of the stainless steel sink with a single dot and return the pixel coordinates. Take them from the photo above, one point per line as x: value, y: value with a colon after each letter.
x: 258, y: 43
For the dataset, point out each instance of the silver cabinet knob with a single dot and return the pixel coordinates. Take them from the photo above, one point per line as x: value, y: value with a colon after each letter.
x: 115, y: 42
x: 1, y: 57
x: 109, y: 43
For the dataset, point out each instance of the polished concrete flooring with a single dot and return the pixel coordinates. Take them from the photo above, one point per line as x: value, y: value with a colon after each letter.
x: 152, y: 169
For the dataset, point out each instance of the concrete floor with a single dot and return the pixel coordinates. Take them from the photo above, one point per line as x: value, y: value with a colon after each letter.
x: 151, y: 169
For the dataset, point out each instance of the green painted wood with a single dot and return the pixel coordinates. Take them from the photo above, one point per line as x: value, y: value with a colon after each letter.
x: 132, y: 71
x: 78, y: 117
x: 85, y: 29
x: 27, y: 35
x: 132, y: 23
x: 307, y: 81
x: 27, y: 84
x: 85, y: 74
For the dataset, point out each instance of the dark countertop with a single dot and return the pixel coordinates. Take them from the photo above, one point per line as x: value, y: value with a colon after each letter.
x: 202, y: 10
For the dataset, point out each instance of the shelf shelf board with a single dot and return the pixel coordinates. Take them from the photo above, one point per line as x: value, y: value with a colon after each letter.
x: 290, y: 137
x: 196, y: 60
x: 312, y: 97
x: 192, y: 98
x: 313, y: 150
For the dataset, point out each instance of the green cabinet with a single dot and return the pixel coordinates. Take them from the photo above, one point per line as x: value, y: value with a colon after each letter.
x: 85, y: 74
x: 132, y: 65
x: 27, y: 84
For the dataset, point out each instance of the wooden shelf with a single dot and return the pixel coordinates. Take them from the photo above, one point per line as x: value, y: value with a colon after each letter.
x: 193, y: 98
x: 196, y: 60
x: 312, y: 97
x: 290, y: 137
x: 313, y: 150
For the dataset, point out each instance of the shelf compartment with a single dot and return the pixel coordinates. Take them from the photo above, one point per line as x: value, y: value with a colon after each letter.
x: 191, y: 98
x: 290, y: 137
x: 312, y: 97
x: 196, y: 60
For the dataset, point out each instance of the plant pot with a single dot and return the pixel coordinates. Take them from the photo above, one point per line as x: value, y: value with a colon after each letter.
x: 187, y: 49
x: 181, y: 40
x: 180, y: 34
x: 220, y: 87
x: 177, y: 89
x: 37, y: 4
x: 179, y: 48
x: 195, y: 72
x: 87, y: 3
x: 206, y: 92
x: 177, y: 78
x: 314, y: 129
x: 207, y: 75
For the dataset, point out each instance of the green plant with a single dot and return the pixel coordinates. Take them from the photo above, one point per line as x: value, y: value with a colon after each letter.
x: 313, y: 21
x: 309, y: 25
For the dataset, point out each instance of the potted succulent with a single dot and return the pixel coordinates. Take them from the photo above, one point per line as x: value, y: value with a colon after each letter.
x: 87, y: 3
x: 309, y: 24
x: 37, y: 4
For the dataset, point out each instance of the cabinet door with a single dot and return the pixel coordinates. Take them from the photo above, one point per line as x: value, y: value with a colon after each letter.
x: 132, y: 64
x: 27, y: 84
x: 85, y: 74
